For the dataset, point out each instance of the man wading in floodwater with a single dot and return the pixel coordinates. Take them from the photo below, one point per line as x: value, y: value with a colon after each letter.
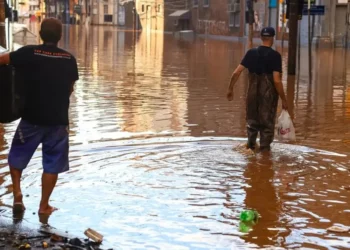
x: 49, y: 74
x: 265, y: 85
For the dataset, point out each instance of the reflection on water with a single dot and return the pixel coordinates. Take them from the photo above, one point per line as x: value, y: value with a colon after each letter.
x: 152, y: 164
x: 259, y: 177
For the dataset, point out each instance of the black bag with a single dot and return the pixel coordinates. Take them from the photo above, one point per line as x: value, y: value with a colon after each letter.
x: 11, y: 94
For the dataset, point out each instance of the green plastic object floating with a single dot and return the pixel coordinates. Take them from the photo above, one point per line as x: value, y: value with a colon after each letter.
x: 249, y: 216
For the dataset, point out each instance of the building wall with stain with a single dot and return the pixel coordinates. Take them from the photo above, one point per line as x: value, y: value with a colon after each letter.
x: 218, y: 17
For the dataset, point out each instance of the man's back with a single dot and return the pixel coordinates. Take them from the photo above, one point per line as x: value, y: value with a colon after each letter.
x: 262, y: 60
x: 48, y: 73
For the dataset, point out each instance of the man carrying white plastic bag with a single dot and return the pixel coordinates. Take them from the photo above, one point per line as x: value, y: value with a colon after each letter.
x: 264, y: 90
x: 285, y: 127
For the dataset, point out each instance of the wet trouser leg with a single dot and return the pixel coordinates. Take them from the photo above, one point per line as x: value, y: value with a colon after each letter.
x: 252, y: 114
x: 262, y: 99
x: 268, y: 97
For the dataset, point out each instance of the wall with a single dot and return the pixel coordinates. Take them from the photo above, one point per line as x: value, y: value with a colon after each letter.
x: 151, y: 14
x: 23, y: 8
x: 98, y: 12
x: 215, y: 18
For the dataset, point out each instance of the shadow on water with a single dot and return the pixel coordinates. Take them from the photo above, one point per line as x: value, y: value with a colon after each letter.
x: 152, y: 164
x: 261, y: 196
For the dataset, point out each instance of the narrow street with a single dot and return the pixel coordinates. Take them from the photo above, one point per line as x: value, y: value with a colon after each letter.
x: 153, y: 158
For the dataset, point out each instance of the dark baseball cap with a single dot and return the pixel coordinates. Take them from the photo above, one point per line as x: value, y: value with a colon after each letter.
x: 268, y: 31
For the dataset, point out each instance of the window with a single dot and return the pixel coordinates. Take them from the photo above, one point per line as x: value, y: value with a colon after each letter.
x: 105, y: 9
x: 195, y: 3
x: 143, y: 8
x: 235, y: 19
x: 234, y: 8
x: 108, y: 18
x: 158, y: 8
x: 205, y: 3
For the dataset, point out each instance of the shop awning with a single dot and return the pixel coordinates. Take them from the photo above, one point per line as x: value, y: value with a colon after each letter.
x: 181, y: 14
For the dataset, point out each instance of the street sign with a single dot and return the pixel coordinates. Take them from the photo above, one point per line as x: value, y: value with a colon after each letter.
x: 314, y: 10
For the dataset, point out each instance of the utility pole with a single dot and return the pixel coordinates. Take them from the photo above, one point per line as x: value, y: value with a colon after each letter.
x: 251, y: 22
x: 347, y: 24
x: 310, y: 41
x: 283, y: 22
x: 293, y: 36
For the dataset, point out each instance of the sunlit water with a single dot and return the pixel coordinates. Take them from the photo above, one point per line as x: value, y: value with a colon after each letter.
x: 154, y: 163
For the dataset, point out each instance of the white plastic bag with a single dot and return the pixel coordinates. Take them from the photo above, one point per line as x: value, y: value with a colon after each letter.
x: 285, y: 127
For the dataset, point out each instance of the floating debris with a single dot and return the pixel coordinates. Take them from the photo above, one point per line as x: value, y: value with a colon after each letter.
x: 336, y: 229
x: 135, y: 74
x: 93, y: 235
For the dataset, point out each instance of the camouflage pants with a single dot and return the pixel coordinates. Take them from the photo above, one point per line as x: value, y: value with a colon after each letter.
x: 262, y: 100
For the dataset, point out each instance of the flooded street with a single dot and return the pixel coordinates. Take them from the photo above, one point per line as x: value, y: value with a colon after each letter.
x: 153, y: 164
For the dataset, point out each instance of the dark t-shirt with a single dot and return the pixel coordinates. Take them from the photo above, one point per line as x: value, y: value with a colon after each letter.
x: 262, y: 60
x: 48, y: 73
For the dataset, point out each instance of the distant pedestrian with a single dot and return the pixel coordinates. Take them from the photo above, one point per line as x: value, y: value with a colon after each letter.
x: 265, y: 86
x: 49, y: 74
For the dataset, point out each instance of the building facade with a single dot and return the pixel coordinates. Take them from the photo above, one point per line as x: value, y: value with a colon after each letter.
x: 150, y: 15
x: 63, y: 10
x: 105, y: 12
x: 218, y: 17
x: 229, y: 17
x: 177, y: 15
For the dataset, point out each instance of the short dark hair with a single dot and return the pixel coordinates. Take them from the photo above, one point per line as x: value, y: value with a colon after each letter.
x: 51, y: 30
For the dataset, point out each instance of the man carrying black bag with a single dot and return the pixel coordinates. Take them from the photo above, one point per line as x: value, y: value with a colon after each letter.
x: 49, y: 74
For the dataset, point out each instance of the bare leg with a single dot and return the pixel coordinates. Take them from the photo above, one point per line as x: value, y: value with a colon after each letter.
x: 48, y: 184
x: 17, y: 192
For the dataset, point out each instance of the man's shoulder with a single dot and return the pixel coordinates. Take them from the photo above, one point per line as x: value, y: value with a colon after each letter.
x: 251, y: 52
x: 26, y: 48
x: 66, y: 53
x: 276, y: 53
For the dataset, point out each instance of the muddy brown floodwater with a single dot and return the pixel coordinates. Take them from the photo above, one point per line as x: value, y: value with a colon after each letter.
x: 152, y: 159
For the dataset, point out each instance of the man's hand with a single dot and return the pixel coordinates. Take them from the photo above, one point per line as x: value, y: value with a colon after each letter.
x: 230, y: 95
x: 284, y: 105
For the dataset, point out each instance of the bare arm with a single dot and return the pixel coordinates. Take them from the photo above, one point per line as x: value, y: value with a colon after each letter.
x: 4, y: 59
x: 235, y: 76
x: 233, y: 81
x: 72, y: 88
x: 277, y: 79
